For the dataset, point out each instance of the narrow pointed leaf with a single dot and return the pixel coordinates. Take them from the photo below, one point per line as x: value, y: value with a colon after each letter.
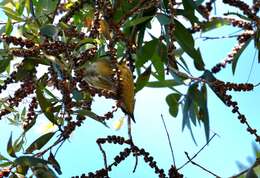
x: 54, y: 163
x: 39, y: 142
x: 10, y: 148
x: 29, y: 161
x: 143, y: 79
x: 237, y: 55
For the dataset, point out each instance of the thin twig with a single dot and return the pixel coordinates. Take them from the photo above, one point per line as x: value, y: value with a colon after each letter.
x: 104, y: 155
x: 204, y: 38
x: 131, y: 140
x: 169, y: 140
x: 256, y: 85
x: 197, y: 152
x: 196, y: 164
x: 252, y: 65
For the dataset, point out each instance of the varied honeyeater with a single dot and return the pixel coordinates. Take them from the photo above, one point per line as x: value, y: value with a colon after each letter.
x: 99, y: 73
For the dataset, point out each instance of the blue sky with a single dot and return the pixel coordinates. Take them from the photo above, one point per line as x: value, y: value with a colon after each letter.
x: 81, y: 154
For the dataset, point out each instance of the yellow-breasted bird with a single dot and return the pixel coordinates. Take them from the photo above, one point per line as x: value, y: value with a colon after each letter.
x: 99, y: 74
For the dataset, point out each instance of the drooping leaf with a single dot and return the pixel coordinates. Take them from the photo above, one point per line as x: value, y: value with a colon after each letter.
x: 143, y: 79
x: 39, y: 142
x: 158, y: 65
x: 84, y: 112
x: 10, y: 148
x: 29, y: 161
x: 189, y: 8
x: 137, y: 21
x: 18, y: 143
x: 6, y: 163
x: 186, y: 41
x: 146, y: 52
x: 203, y: 110
x: 4, y: 64
x: 54, y: 163
x: 3, y: 158
x: 187, y: 112
x: 8, y: 27
x: 237, y: 55
x: 172, y: 101
x: 163, y: 84
x: 45, y: 105
x: 11, y: 14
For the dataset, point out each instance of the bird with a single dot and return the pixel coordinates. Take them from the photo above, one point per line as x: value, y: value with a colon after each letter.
x: 99, y: 73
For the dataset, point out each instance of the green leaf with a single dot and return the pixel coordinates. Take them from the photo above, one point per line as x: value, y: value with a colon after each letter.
x: 163, y: 84
x: 49, y: 30
x: 189, y: 9
x: 186, y: 41
x: 84, y: 112
x: 237, y: 55
x: 20, y: 7
x: 29, y: 161
x: 198, y: 62
x: 39, y: 142
x: 54, y: 163
x: 214, y: 23
x: 146, y: 52
x: 6, y: 164
x: 10, y: 148
x: 4, y: 64
x: 3, y: 158
x: 45, y: 105
x: 11, y: 14
x: 143, y: 79
x: 172, y: 101
x: 137, y: 21
x: 18, y: 144
x: 203, y: 110
x: 158, y: 65
x: 186, y: 111
x: 8, y: 27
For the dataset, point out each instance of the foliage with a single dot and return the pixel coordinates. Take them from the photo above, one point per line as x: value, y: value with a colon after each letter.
x: 98, y: 48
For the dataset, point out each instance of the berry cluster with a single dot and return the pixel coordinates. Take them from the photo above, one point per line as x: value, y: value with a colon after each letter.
x: 173, y: 173
x: 242, y: 6
x: 31, y: 116
x: 205, y: 10
x: 221, y: 90
x: 57, y: 47
x: 242, y: 39
x: 18, y: 41
x: 124, y: 154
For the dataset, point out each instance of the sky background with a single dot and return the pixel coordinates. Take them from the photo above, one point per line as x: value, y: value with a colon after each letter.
x: 81, y: 154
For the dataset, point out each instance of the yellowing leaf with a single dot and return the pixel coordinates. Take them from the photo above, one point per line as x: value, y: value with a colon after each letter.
x: 119, y: 123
